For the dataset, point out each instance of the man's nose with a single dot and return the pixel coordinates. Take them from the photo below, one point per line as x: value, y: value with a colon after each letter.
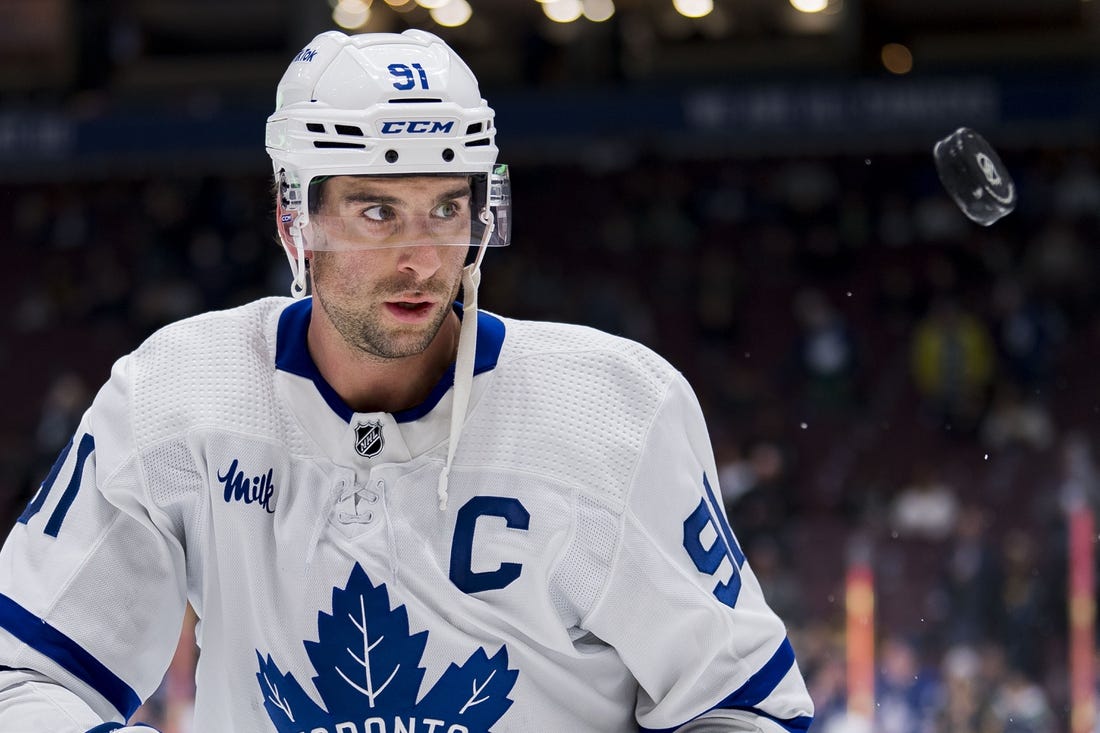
x: 423, y: 260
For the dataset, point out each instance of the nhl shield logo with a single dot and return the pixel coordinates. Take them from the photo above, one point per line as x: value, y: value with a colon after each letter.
x: 368, y: 438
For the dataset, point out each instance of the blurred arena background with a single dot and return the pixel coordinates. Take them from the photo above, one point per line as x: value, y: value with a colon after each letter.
x: 904, y: 404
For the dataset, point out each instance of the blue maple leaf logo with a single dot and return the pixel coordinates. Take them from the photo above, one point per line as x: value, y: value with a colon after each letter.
x: 368, y: 667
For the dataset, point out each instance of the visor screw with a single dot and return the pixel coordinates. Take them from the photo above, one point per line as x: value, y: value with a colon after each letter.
x: 448, y: 155
x: 391, y: 156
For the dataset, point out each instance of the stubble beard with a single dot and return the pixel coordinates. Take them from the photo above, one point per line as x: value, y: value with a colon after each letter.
x: 365, y: 329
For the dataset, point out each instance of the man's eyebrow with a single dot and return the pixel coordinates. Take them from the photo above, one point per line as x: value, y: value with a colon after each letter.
x: 456, y: 193
x: 364, y: 197
x: 367, y: 196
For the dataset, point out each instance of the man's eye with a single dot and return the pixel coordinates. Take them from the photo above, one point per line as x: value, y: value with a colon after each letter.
x: 447, y: 210
x: 378, y: 213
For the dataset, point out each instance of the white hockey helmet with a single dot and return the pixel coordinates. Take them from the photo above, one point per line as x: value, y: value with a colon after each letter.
x: 382, y: 104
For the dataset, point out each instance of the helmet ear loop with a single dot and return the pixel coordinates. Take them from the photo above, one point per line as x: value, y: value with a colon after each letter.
x: 490, y: 226
x: 299, y: 267
x: 296, y: 256
x: 292, y: 220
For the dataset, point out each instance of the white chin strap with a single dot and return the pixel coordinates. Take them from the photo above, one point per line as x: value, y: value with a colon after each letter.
x: 464, y: 362
x: 297, y: 262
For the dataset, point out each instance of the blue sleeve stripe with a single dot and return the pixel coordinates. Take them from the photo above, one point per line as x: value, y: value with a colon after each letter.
x: 756, y: 689
x: 761, y: 684
x: 108, y: 727
x: 39, y: 635
x: 801, y: 724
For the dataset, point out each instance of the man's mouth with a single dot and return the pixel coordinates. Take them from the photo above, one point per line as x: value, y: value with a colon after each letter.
x: 409, y: 309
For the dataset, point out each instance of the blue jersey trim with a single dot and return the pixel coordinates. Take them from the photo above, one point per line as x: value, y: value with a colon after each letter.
x: 756, y: 689
x: 761, y: 684
x: 292, y: 356
x: 40, y: 636
x: 490, y: 338
x: 107, y: 727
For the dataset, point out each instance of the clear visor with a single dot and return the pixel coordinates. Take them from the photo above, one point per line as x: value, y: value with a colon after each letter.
x: 357, y: 213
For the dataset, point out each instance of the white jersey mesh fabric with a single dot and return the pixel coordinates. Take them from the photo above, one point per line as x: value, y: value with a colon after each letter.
x: 573, y: 402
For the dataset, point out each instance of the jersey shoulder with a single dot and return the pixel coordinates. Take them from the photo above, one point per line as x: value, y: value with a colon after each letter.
x: 210, y: 370
x: 555, y: 343
x: 572, y: 404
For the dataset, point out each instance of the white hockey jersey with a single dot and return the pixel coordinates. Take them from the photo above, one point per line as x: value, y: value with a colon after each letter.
x: 583, y: 576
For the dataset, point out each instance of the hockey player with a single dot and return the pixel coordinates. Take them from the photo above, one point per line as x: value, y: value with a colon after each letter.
x: 392, y: 512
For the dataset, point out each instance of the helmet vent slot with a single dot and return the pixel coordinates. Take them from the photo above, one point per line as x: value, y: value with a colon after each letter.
x: 315, y: 127
x: 415, y: 100
x: 349, y: 130
x: 476, y: 127
x: 332, y: 144
x: 478, y: 143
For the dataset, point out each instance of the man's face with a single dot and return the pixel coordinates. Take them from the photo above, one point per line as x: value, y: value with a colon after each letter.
x: 384, y: 266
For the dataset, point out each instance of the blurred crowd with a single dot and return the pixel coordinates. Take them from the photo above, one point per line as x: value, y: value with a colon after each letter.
x: 871, y: 363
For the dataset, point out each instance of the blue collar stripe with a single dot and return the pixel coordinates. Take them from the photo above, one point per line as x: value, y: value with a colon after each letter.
x: 292, y: 356
x: 39, y: 635
x: 757, y: 688
x: 490, y: 336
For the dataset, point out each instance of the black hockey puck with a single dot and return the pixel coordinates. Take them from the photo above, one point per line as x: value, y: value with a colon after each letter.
x: 972, y: 172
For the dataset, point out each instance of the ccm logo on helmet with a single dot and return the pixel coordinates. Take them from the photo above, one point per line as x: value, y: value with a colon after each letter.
x: 417, y: 127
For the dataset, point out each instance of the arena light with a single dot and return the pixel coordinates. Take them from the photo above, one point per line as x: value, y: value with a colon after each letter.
x: 897, y: 58
x: 598, y: 11
x: 453, y: 14
x: 431, y: 4
x: 809, y: 6
x: 693, y: 8
x: 562, y: 11
x: 351, y: 14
